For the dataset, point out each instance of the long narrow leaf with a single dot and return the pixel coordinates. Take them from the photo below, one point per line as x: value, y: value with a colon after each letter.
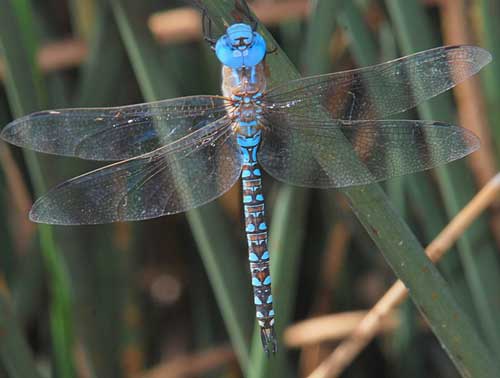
x: 482, y: 270
x: 25, y: 93
x: 15, y: 354
x: 216, y: 245
x: 490, y: 12
x: 401, y: 249
x: 287, y: 228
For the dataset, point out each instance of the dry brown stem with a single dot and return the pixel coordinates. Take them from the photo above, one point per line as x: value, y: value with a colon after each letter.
x: 371, y: 324
x: 178, y: 25
x: 329, y: 328
x: 192, y: 365
x: 20, y: 196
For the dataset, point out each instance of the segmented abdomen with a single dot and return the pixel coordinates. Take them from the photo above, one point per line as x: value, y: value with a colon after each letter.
x: 256, y: 230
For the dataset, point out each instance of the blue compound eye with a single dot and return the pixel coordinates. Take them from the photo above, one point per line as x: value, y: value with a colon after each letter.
x: 240, y: 47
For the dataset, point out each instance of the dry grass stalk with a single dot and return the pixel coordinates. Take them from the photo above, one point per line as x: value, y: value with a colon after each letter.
x: 184, y: 24
x: 371, y: 324
x: 21, y: 199
x: 331, y: 265
x: 330, y: 328
x: 63, y: 54
x: 469, y: 97
x: 178, y: 25
x: 470, y: 101
x: 192, y: 365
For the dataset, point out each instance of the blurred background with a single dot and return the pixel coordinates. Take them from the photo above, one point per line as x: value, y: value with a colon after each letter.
x: 171, y: 297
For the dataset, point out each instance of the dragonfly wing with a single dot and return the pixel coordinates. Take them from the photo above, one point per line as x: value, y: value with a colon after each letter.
x: 172, y: 179
x: 114, y: 133
x: 378, y: 91
x: 307, y: 156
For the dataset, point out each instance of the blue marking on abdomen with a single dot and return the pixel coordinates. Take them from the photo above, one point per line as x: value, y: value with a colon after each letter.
x: 249, y: 141
x: 256, y: 282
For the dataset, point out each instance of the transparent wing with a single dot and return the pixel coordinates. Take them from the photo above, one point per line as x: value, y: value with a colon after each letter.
x: 303, y: 153
x: 172, y: 179
x: 378, y: 91
x: 113, y: 133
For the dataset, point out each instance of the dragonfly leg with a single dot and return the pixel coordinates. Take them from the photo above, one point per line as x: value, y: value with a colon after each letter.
x: 207, y: 29
x: 272, y: 51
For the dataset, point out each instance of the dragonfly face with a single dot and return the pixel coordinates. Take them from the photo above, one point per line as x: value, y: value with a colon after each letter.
x: 240, y: 36
x: 240, y: 47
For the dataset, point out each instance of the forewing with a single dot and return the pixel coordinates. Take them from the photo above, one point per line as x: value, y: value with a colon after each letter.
x: 304, y: 153
x: 172, y: 179
x: 378, y: 91
x: 114, y: 133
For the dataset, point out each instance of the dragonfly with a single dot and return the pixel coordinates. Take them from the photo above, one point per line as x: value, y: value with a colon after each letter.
x: 174, y: 155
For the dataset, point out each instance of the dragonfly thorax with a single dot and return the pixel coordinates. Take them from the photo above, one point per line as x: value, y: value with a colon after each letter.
x: 246, y: 112
x: 243, y: 81
x: 244, y: 87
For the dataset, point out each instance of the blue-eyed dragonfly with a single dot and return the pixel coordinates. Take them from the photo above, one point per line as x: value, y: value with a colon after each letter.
x: 174, y: 155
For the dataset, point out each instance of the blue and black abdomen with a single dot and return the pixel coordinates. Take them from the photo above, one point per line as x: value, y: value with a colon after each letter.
x: 256, y: 230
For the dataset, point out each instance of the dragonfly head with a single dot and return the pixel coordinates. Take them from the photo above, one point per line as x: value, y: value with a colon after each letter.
x: 240, y: 47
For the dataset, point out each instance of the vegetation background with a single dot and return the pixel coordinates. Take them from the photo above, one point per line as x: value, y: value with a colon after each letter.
x: 171, y: 297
